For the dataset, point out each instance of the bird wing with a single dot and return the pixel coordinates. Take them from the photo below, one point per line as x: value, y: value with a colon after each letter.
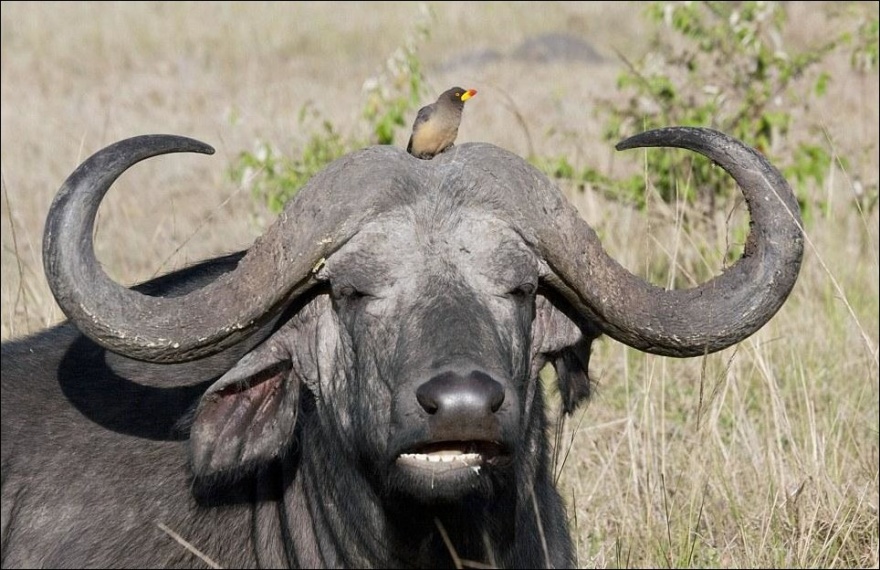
x: 422, y: 117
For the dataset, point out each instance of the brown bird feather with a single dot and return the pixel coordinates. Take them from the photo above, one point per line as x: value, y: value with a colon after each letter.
x: 436, y: 125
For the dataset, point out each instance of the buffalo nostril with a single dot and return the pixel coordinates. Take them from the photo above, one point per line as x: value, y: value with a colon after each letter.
x: 490, y: 390
x: 472, y: 395
x: 426, y: 399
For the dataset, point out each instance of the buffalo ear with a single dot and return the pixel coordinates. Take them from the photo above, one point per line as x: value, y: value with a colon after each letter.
x: 247, y: 417
x: 564, y: 339
x: 572, y: 372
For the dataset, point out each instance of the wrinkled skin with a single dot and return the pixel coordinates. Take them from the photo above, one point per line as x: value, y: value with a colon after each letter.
x: 347, y: 369
x: 358, y: 389
x: 362, y: 348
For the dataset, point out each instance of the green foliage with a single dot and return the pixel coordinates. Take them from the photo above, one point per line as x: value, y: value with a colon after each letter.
x: 713, y: 64
x: 721, y: 65
x: 275, y: 177
x: 391, y: 100
x: 732, y: 74
x: 630, y: 191
x: 399, y: 89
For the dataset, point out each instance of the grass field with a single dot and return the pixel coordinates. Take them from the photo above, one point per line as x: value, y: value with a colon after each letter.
x: 763, y: 455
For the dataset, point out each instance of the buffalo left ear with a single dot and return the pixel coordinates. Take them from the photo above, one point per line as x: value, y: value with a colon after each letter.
x: 572, y: 366
x: 248, y: 416
x: 564, y: 340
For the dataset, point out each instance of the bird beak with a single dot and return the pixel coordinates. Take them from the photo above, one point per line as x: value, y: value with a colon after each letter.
x: 468, y: 94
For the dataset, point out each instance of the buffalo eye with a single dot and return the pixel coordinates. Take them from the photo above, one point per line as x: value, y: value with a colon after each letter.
x: 348, y: 293
x: 522, y: 292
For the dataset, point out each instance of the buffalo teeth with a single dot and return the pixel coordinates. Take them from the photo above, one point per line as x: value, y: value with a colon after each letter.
x: 466, y: 458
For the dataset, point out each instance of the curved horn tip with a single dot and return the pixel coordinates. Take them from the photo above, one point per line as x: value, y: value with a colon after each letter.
x: 153, y: 145
x: 204, y: 148
x: 665, y: 136
x: 188, y: 144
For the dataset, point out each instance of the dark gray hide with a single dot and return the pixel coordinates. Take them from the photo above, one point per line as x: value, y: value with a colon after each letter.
x: 360, y: 388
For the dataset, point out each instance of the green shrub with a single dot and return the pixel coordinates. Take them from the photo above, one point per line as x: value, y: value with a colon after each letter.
x: 712, y: 64
x: 721, y: 65
x: 275, y: 177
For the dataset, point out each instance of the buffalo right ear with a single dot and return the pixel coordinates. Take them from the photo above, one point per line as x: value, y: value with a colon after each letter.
x: 247, y: 417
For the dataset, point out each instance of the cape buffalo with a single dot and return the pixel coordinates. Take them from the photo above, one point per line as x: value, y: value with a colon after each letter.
x: 360, y: 387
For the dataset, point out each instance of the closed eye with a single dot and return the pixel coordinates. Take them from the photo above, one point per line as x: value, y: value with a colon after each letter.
x: 349, y: 293
x: 523, y: 291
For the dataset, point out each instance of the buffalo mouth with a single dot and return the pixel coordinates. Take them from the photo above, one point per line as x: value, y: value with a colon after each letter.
x: 450, y: 456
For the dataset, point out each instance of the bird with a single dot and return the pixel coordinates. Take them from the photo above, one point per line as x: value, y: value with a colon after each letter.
x: 436, y: 125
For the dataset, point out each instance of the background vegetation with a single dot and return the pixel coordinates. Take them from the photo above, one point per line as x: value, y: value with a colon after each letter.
x: 763, y: 455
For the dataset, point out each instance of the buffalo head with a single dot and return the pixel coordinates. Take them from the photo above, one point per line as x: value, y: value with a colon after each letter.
x: 420, y: 301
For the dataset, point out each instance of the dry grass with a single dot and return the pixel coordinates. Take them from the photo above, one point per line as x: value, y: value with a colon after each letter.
x: 763, y: 455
